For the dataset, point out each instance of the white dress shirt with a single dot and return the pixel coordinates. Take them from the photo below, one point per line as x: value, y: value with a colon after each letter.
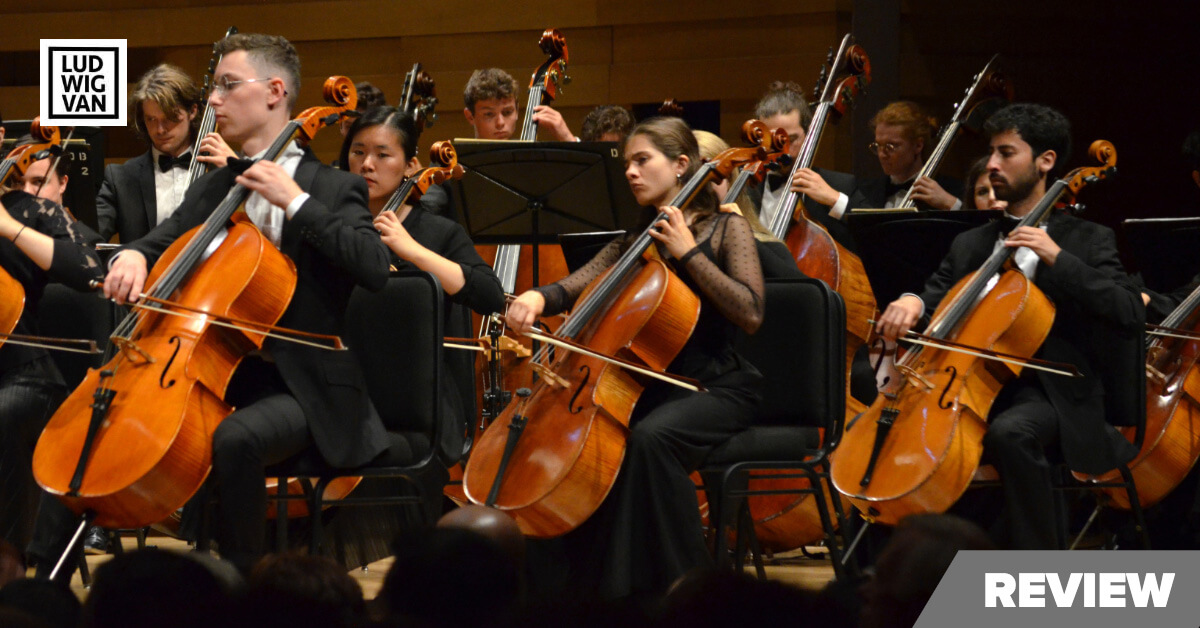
x: 270, y: 218
x: 169, y: 187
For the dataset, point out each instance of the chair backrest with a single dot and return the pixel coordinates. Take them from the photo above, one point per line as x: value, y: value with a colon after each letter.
x: 64, y: 312
x: 800, y: 348
x: 396, y: 334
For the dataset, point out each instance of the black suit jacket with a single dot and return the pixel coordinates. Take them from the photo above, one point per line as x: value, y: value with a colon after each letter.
x: 840, y: 181
x: 127, y: 203
x: 873, y: 192
x: 1162, y: 305
x: 334, y: 246
x: 1097, y: 327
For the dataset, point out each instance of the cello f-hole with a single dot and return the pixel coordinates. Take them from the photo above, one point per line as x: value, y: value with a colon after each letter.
x: 162, y: 383
x: 587, y: 374
x: 942, y: 399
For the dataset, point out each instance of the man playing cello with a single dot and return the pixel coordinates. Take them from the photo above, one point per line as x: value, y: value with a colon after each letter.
x: 1099, y: 315
x: 290, y: 397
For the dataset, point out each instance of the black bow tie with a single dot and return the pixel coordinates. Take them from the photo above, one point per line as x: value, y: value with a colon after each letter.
x: 890, y: 189
x: 166, y: 162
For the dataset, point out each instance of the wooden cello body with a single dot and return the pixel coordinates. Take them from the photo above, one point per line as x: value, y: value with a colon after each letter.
x: 155, y: 446
x: 12, y: 304
x: 927, y: 459
x: 1171, y: 444
x: 917, y: 447
x: 572, y: 446
x: 133, y: 442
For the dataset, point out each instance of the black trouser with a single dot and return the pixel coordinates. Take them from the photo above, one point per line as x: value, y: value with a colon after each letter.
x: 26, y: 404
x: 1022, y: 425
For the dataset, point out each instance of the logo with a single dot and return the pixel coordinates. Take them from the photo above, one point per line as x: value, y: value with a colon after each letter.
x: 83, y: 82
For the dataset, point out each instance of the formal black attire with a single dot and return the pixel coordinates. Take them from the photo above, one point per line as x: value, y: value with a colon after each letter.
x: 127, y: 203
x: 293, y: 397
x: 31, y: 387
x: 839, y: 181
x: 647, y: 532
x: 1098, y: 328
x: 875, y: 192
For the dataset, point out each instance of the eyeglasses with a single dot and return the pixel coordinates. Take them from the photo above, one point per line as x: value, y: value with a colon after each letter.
x: 224, y: 85
x: 886, y: 149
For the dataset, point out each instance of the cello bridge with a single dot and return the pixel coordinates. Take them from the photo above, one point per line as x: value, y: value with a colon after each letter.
x: 913, y: 376
x: 550, y: 376
x: 129, y: 348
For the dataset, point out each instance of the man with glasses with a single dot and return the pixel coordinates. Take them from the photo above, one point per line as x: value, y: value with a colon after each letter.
x: 289, y: 397
x: 138, y: 195
x: 827, y: 194
x: 903, y: 130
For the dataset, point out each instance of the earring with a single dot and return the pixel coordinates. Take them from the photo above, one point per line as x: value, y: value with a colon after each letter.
x: 679, y: 177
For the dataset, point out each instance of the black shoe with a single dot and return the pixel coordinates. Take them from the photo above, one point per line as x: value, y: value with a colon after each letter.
x: 96, y: 541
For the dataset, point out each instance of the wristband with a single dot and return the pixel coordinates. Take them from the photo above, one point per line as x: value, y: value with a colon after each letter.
x: 19, y: 232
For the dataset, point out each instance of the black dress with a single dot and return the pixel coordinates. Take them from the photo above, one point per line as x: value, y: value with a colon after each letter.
x: 31, y: 387
x: 647, y: 533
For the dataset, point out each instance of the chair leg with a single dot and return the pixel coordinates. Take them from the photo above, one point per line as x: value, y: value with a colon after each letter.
x: 1087, y: 525
x: 831, y: 542
x: 141, y: 538
x: 281, y: 512
x: 1135, y: 506
x: 746, y: 531
x: 314, y: 513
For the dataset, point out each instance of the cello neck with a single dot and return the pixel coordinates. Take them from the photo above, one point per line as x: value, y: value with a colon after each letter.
x: 736, y: 187
x: 631, y: 259
x: 945, y: 325
x: 214, y: 225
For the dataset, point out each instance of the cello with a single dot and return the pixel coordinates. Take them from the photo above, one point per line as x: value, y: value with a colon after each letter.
x: 133, y: 442
x: 1171, y: 444
x: 551, y: 458
x: 916, y: 448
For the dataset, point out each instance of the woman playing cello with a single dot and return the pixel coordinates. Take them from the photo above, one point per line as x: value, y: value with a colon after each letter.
x: 41, y: 243
x: 647, y: 533
x: 381, y: 147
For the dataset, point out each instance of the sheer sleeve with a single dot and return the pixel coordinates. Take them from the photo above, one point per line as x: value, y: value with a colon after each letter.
x: 74, y: 262
x: 734, y: 284
x: 561, y: 295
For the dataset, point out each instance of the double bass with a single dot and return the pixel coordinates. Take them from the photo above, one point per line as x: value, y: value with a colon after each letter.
x: 916, y: 448
x: 988, y: 92
x: 133, y: 442
x: 551, y: 458
x: 519, y: 266
x: 208, y: 119
x: 817, y: 254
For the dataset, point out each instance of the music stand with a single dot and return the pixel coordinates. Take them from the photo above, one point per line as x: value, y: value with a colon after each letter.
x: 579, y: 248
x: 1164, y: 250
x: 529, y: 192
x: 900, y: 250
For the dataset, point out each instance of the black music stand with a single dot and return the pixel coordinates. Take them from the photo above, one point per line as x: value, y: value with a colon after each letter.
x: 579, y: 248
x: 1164, y: 250
x: 900, y: 250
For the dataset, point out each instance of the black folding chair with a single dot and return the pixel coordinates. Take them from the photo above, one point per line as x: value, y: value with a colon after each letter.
x: 800, y: 349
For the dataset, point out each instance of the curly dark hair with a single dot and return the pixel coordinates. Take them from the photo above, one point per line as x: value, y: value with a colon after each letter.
x: 1042, y: 127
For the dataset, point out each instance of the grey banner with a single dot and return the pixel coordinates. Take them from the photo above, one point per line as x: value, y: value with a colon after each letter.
x: 1133, y: 589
